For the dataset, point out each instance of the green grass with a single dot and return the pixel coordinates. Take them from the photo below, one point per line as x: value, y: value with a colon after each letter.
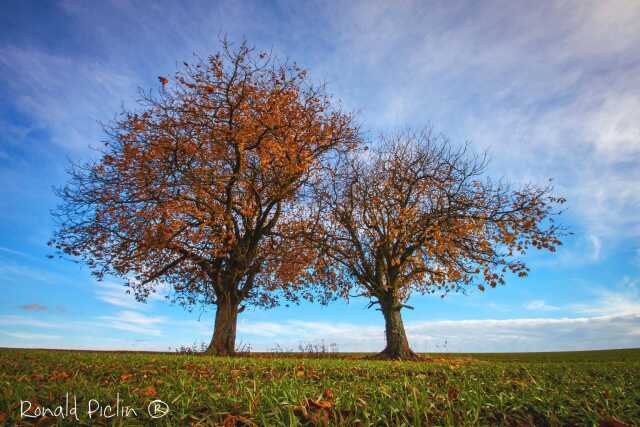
x: 581, y: 388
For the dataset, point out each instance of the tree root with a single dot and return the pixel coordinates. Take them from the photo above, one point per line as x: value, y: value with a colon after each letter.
x: 406, y: 354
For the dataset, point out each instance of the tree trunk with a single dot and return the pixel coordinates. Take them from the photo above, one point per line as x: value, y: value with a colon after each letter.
x: 397, y: 344
x: 223, y: 341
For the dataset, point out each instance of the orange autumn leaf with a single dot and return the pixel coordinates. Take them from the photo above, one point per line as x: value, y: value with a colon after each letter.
x: 59, y: 375
x: 149, y: 391
x: 237, y: 420
x: 320, y: 404
x: 452, y: 393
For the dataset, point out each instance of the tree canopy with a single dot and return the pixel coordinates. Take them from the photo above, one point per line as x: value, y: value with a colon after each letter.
x: 200, y: 187
x: 417, y: 214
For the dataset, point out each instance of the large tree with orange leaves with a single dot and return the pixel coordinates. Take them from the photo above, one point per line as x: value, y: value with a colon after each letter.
x: 200, y: 188
x: 416, y: 214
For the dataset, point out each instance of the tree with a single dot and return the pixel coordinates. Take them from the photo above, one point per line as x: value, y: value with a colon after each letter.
x: 416, y: 215
x: 200, y: 189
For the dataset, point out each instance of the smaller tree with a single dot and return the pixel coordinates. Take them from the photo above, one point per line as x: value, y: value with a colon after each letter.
x: 415, y: 215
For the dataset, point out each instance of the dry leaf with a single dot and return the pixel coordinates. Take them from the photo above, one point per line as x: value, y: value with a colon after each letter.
x: 149, y: 391
x: 612, y: 422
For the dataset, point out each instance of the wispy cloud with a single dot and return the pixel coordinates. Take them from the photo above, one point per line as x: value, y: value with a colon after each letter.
x: 620, y: 299
x: 9, y: 250
x: 132, y: 321
x: 557, y: 100
x: 116, y: 294
x: 566, y: 109
x: 611, y: 319
x: 16, y: 273
x: 13, y: 320
x: 30, y: 336
x: 126, y: 320
x: 44, y: 83
x: 596, y: 245
x: 526, y: 334
x: 540, y: 305
x: 623, y: 299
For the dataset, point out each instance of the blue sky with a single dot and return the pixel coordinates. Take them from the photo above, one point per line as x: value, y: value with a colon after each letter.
x: 550, y: 91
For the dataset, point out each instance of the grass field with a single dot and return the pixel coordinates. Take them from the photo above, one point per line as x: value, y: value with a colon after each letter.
x: 578, y: 388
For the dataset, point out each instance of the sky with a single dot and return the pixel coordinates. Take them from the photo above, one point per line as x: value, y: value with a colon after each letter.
x: 551, y: 91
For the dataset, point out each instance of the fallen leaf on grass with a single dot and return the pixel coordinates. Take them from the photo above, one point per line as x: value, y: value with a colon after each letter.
x: 45, y: 421
x: 360, y: 402
x: 59, y: 375
x: 312, y: 416
x: 190, y: 366
x: 519, y: 384
x: 149, y: 391
x: 237, y: 420
x: 314, y: 412
x: 320, y: 404
x: 612, y: 422
x: 452, y: 393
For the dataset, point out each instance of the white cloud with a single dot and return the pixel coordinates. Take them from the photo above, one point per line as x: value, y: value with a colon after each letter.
x: 66, y: 96
x: 557, y: 100
x: 610, y: 320
x: 9, y: 250
x: 132, y: 321
x: 263, y: 329
x: 137, y: 318
x: 16, y: 274
x: 13, y: 320
x: 596, y: 244
x: 127, y: 320
x: 30, y: 336
x: 551, y: 90
x: 526, y: 334
x: 540, y: 305
x: 623, y: 299
x: 116, y: 294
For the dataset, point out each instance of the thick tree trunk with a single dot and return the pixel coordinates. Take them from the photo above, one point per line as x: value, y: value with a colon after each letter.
x: 397, y: 343
x: 223, y: 341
